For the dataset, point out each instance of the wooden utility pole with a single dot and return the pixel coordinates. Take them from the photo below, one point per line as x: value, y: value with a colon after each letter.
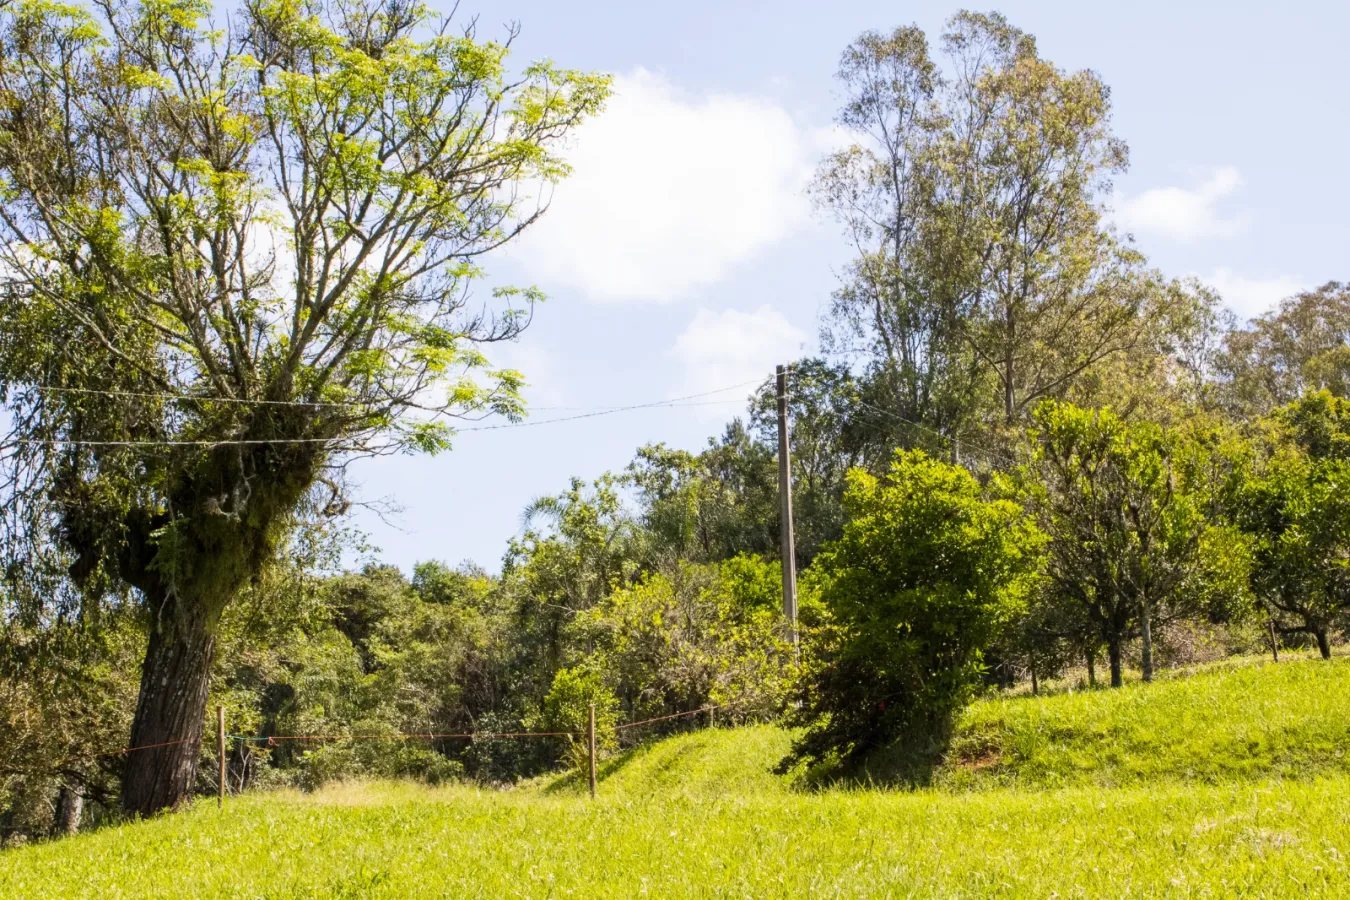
x: 787, y: 547
x: 220, y: 747
x: 590, y: 746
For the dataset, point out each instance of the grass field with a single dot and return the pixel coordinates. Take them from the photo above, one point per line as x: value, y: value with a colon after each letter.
x: 1145, y: 811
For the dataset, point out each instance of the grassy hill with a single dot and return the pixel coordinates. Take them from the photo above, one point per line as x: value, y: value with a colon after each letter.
x: 1234, y: 721
x: 1230, y: 782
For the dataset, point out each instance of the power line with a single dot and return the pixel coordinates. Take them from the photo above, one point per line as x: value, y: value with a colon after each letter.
x: 670, y: 403
x: 163, y: 395
x: 197, y: 398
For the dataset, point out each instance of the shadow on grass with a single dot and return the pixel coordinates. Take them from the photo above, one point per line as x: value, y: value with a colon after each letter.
x: 905, y: 764
x: 663, y: 756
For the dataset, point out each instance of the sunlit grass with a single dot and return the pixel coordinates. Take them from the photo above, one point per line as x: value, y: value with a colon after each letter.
x: 1226, y: 784
x: 1278, y: 839
x: 1226, y: 723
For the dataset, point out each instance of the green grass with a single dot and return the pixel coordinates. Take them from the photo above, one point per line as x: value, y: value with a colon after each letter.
x: 381, y: 841
x: 1230, y: 722
x: 1148, y: 813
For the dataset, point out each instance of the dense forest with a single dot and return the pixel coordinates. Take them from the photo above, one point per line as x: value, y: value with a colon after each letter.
x: 1021, y: 454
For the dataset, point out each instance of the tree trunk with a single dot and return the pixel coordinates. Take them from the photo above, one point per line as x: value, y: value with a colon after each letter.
x: 1146, y: 642
x: 69, y: 809
x: 1113, y: 651
x: 171, y: 710
x: 1092, y: 667
x: 1323, y: 645
x: 1035, y: 685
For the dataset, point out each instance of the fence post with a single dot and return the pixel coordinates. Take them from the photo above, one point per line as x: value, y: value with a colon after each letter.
x: 1274, y: 641
x: 220, y: 746
x: 590, y: 744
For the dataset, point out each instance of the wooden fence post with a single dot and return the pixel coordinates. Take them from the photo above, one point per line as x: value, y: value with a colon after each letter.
x: 220, y: 746
x: 1274, y: 641
x: 590, y: 743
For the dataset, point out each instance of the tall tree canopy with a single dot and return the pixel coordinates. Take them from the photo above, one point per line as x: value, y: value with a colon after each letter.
x: 986, y: 276
x: 234, y: 254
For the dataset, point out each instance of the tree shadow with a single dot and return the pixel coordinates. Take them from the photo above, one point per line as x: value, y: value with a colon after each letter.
x: 907, y: 763
x: 577, y: 780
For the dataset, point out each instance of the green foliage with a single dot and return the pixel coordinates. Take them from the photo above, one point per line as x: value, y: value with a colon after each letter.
x: 568, y: 708
x: 1131, y: 512
x: 690, y: 637
x: 1294, y: 506
x: 712, y: 505
x: 67, y: 691
x: 1298, y: 348
x: 923, y: 579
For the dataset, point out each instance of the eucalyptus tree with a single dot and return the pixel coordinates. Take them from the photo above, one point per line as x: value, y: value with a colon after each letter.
x: 897, y: 306
x: 987, y: 277
x: 1299, y: 347
x: 237, y: 253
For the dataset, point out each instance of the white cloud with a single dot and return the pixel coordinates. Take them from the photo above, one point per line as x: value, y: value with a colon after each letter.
x: 721, y: 349
x: 669, y: 192
x: 1250, y: 297
x: 1185, y: 214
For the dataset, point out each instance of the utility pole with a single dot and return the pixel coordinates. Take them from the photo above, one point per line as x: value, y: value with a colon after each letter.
x: 787, y: 547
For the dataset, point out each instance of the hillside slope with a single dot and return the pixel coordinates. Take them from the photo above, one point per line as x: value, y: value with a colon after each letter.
x: 1235, y: 721
x: 1240, y: 721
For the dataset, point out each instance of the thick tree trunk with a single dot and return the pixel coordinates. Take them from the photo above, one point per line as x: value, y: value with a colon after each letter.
x: 1146, y: 642
x: 69, y: 809
x: 170, y: 712
x: 1113, y: 650
x: 1323, y: 645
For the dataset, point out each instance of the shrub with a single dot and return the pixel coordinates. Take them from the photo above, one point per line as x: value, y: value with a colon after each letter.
x: 567, y: 708
x: 923, y: 578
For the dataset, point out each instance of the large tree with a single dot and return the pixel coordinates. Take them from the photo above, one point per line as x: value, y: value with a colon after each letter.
x: 986, y: 277
x: 235, y: 254
x: 1299, y: 347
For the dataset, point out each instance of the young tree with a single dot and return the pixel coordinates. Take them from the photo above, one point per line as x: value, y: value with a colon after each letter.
x: 1295, y: 507
x: 233, y: 257
x: 1127, y: 507
x: 925, y: 575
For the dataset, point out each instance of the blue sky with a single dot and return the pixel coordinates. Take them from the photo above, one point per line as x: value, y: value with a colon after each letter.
x: 683, y: 258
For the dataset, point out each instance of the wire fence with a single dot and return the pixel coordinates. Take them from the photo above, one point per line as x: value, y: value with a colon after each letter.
x: 588, y: 736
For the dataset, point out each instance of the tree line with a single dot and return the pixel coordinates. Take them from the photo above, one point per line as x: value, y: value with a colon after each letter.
x: 1021, y: 451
